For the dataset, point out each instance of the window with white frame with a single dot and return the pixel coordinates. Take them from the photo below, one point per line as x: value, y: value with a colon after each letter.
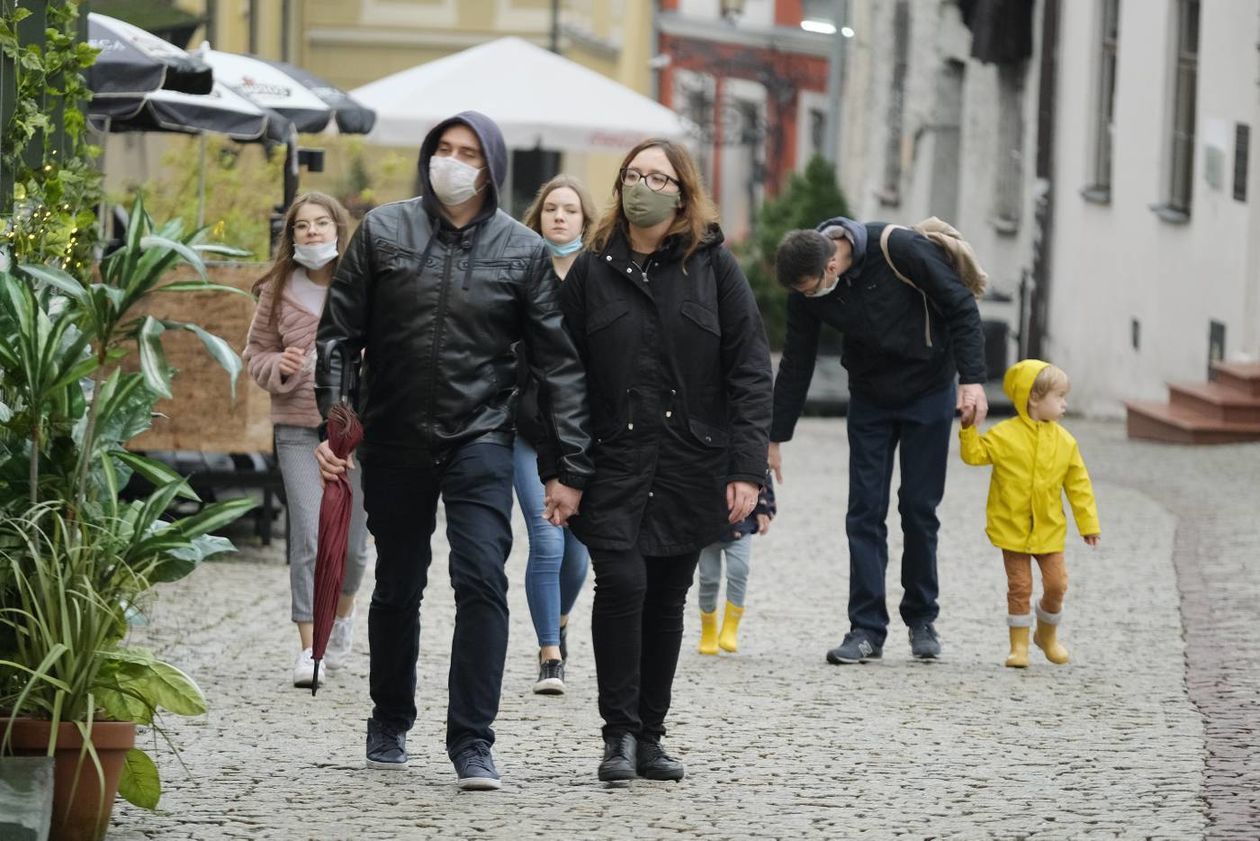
x: 1180, y: 172
x: 1104, y: 103
x: 890, y: 189
x: 1008, y: 182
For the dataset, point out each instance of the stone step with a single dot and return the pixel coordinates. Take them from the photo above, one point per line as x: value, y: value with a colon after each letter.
x: 1180, y: 425
x: 1216, y: 400
x: 1243, y: 376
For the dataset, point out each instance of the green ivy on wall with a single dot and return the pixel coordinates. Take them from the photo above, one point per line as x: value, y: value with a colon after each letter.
x: 43, y: 143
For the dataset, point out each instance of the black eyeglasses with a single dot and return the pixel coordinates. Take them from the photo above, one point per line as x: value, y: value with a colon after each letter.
x: 656, y: 181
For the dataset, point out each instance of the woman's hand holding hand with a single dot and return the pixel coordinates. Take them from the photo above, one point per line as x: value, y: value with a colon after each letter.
x: 741, y: 498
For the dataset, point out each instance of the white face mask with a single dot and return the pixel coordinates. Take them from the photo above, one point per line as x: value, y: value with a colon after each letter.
x: 454, y: 182
x: 823, y: 288
x: 316, y: 255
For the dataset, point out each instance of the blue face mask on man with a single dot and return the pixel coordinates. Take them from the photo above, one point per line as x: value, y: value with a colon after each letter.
x: 564, y: 249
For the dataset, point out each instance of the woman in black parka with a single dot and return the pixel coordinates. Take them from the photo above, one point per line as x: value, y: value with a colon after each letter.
x: 679, y: 383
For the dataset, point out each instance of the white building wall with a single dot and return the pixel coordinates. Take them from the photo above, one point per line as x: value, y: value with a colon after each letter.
x: 937, y: 36
x: 1118, y: 262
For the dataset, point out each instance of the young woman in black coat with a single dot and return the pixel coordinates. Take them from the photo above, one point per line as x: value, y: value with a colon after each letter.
x: 679, y: 383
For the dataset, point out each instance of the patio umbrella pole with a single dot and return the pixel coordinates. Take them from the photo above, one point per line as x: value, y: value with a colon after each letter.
x: 201, y: 182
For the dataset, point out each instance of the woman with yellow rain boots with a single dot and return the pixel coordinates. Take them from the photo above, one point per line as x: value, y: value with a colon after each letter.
x: 1034, y: 461
x: 737, y: 546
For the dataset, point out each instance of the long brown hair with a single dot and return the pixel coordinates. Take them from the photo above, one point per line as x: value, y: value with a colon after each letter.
x: 533, y: 216
x: 283, y: 266
x: 694, y: 217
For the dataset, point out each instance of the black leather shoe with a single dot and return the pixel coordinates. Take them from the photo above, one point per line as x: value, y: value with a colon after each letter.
x: 618, y: 764
x: 653, y: 763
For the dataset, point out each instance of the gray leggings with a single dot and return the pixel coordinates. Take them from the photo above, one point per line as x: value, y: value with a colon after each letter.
x: 303, y: 491
x: 738, y: 553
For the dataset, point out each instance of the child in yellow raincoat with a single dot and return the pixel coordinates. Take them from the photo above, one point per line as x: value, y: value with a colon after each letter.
x: 1034, y: 461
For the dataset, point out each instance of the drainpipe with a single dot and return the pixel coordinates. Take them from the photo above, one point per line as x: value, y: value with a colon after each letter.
x: 1043, y: 219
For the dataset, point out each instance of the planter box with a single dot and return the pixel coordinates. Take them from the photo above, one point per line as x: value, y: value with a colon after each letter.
x: 202, y: 415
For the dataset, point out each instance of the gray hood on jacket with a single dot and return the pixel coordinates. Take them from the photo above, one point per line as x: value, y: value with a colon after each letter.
x: 492, y: 147
x: 856, y: 233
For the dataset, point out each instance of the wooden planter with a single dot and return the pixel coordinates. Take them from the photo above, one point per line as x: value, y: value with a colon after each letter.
x: 80, y: 813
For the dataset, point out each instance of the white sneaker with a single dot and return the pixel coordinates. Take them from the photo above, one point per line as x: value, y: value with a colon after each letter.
x: 304, y: 670
x: 339, y: 642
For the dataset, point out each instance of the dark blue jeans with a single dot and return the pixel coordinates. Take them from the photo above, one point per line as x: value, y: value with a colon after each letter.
x: 920, y: 431
x: 476, y: 484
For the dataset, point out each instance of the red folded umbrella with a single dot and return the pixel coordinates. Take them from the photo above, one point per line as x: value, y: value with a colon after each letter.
x: 344, y: 434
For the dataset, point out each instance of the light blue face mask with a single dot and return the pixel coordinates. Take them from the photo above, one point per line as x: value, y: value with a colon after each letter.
x: 565, y: 249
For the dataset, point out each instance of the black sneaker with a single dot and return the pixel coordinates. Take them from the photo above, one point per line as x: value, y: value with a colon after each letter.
x: 618, y: 764
x: 550, y: 678
x: 856, y: 648
x: 475, y: 767
x: 386, y: 750
x: 653, y: 763
x: 924, y: 643
x: 564, y: 643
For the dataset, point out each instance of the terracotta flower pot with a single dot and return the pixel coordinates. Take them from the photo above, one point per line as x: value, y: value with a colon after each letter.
x: 80, y: 813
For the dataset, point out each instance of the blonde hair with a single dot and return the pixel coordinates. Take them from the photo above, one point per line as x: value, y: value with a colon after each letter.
x: 1050, y: 378
x: 533, y: 216
x: 283, y: 266
x: 693, y: 219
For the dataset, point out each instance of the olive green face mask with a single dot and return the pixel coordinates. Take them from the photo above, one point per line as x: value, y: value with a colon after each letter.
x: 645, y: 207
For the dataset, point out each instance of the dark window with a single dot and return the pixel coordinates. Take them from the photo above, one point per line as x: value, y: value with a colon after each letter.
x: 1181, y: 174
x: 1242, y: 140
x: 890, y: 193
x: 1105, y: 116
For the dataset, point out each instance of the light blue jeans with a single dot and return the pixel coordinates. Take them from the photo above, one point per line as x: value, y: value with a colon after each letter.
x: 738, y: 554
x: 557, y: 560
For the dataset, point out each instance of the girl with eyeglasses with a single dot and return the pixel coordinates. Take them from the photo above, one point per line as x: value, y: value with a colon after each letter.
x: 280, y: 355
x: 679, y: 385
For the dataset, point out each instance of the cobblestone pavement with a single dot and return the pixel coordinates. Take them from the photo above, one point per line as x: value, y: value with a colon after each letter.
x: 778, y: 744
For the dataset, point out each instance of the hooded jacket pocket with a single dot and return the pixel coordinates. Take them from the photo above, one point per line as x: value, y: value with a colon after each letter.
x: 702, y: 316
x: 605, y: 315
x: 708, y: 434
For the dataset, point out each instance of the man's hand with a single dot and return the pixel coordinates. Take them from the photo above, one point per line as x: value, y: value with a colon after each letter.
x: 560, y: 502
x: 972, y: 404
x: 330, y: 467
x: 741, y: 499
x: 1092, y: 539
x: 774, y: 460
x: 292, y: 360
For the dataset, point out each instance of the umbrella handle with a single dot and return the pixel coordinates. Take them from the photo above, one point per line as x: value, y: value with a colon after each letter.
x: 336, y: 375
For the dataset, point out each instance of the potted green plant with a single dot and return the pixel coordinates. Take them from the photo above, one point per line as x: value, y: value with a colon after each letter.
x: 81, y: 367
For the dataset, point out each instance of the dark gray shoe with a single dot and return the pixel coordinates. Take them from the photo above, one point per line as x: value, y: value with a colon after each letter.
x: 619, y: 756
x: 550, y: 678
x: 856, y: 648
x: 653, y: 763
x: 475, y: 767
x: 924, y: 643
x: 386, y: 750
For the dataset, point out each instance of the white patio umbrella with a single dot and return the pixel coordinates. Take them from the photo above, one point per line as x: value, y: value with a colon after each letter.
x: 134, y: 62
x: 269, y: 87
x: 508, y: 80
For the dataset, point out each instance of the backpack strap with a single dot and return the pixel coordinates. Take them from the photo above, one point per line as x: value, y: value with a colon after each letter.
x: 884, y: 236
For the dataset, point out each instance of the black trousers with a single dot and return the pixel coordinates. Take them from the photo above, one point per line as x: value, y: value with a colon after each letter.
x: 920, y: 432
x: 636, y: 628
x: 401, y: 502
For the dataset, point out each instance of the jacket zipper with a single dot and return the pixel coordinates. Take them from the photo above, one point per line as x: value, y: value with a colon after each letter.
x: 439, y: 323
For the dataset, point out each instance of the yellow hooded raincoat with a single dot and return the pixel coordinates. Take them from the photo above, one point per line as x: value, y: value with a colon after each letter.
x: 1033, y: 463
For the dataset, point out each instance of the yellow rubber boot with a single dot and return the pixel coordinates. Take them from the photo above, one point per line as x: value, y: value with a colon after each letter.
x: 730, y: 628
x: 1046, y: 636
x: 1018, y: 658
x: 708, y: 632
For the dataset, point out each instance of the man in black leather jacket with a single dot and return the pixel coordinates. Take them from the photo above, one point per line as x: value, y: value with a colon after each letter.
x: 434, y: 291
